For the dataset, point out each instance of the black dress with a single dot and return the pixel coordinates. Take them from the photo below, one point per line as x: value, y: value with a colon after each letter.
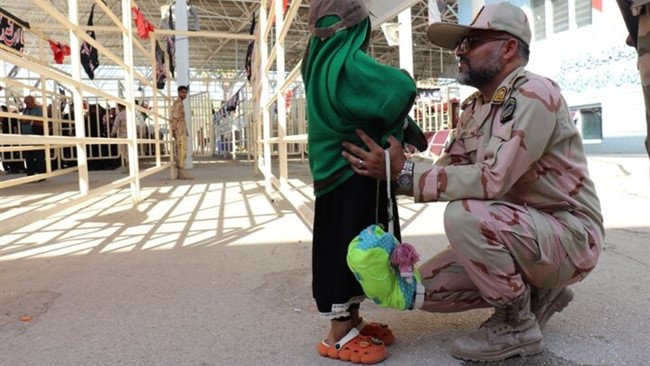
x: 340, y: 215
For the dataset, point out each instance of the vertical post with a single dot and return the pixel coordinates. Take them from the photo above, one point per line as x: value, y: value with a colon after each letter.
x: 265, y: 160
x: 79, y: 123
x: 233, y: 142
x: 282, y: 105
x: 154, y: 101
x: 46, y: 132
x: 46, y: 115
x: 129, y: 87
x: 183, y: 73
x: 406, y: 44
x: 211, y: 133
x: 405, y: 41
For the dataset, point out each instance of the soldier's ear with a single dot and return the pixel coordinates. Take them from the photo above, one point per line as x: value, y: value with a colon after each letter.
x: 511, y: 47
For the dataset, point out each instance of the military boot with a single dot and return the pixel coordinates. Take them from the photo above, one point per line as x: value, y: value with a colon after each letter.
x: 546, y: 302
x: 182, y: 175
x: 512, y: 330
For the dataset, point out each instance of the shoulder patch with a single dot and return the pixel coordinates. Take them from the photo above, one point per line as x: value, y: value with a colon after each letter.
x: 508, y: 110
x: 500, y: 95
x: 469, y: 100
x: 519, y: 81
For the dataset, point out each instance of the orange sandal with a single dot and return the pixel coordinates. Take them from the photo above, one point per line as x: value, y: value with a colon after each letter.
x: 355, y: 348
x: 377, y: 330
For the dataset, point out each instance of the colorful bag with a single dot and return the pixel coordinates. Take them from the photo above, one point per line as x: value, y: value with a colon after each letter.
x: 384, y: 267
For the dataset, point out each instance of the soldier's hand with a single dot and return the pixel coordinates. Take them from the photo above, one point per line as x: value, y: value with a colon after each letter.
x: 372, y: 163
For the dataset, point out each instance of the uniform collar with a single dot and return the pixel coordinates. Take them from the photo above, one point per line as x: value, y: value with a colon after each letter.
x: 507, y: 85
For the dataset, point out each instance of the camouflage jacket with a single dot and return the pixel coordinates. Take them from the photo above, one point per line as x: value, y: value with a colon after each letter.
x: 177, y: 121
x: 119, y: 125
x: 522, y: 147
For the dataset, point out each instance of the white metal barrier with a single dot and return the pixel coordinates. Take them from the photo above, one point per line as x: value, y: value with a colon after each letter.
x: 201, y: 106
x: 78, y: 137
x: 273, y: 133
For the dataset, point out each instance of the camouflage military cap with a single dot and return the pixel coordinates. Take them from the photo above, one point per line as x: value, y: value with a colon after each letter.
x: 503, y: 17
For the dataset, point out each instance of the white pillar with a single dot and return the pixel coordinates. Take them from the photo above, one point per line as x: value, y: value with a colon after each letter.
x: 77, y: 98
x: 406, y: 44
x: 183, y: 72
x: 129, y: 88
x: 282, y: 109
x: 405, y: 41
x: 265, y: 153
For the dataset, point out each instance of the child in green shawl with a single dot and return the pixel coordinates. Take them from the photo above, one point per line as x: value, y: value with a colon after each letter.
x: 347, y: 89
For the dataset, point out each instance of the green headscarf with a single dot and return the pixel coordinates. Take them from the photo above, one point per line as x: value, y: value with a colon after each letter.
x: 347, y: 89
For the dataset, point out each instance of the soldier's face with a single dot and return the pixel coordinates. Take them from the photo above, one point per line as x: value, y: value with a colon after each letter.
x: 182, y: 94
x: 477, y: 66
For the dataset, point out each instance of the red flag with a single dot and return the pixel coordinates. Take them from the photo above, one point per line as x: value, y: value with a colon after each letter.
x: 59, y: 51
x: 144, y: 26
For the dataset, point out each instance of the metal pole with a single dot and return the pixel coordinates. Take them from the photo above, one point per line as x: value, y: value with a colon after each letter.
x: 79, y: 123
x: 183, y: 72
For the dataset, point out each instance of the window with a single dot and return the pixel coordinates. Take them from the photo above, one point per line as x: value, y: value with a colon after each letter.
x: 589, y: 121
x: 560, y: 15
x: 539, y: 19
x: 583, y: 13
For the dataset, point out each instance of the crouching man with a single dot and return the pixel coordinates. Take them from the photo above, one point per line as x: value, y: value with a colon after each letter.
x: 523, y: 219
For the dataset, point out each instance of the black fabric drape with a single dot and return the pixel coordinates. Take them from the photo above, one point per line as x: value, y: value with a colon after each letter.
x: 89, y: 55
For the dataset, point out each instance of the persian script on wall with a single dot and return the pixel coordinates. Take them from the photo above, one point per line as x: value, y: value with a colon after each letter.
x: 609, y: 68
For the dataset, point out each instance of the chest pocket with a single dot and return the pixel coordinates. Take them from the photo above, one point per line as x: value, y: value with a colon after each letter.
x: 470, y: 141
x: 501, y: 132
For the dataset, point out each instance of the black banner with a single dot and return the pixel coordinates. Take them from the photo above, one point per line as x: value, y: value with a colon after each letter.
x: 89, y: 55
x: 11, y: 30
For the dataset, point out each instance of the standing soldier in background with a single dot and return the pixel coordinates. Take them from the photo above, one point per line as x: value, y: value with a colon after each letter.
x: 119, y: 130
x: 179, y: 132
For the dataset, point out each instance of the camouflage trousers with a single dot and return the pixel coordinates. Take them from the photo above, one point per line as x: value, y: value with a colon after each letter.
x: 643, y: 48
x: 495, y: 248
x: 124, y: 154
x: 180, y: 149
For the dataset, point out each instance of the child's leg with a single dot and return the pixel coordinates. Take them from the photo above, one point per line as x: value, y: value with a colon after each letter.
x: 355, y: 319
x: 338, y: 329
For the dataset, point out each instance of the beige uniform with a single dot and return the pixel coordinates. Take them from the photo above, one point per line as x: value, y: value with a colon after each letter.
x: 119, y: 130
x: 522, y: 208
x: 179, y: 132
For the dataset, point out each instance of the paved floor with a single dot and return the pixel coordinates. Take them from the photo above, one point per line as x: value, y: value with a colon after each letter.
x: 215, y: 272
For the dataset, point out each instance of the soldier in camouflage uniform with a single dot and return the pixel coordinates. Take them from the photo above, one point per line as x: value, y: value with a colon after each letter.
x: 179, y: 132
x: 523, y: 218
x: 119, y: 130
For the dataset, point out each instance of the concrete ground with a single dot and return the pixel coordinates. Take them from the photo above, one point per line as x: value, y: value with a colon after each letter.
x: 215, y: 272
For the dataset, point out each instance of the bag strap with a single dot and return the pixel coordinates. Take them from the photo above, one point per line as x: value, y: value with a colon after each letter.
x: 390, y: 201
